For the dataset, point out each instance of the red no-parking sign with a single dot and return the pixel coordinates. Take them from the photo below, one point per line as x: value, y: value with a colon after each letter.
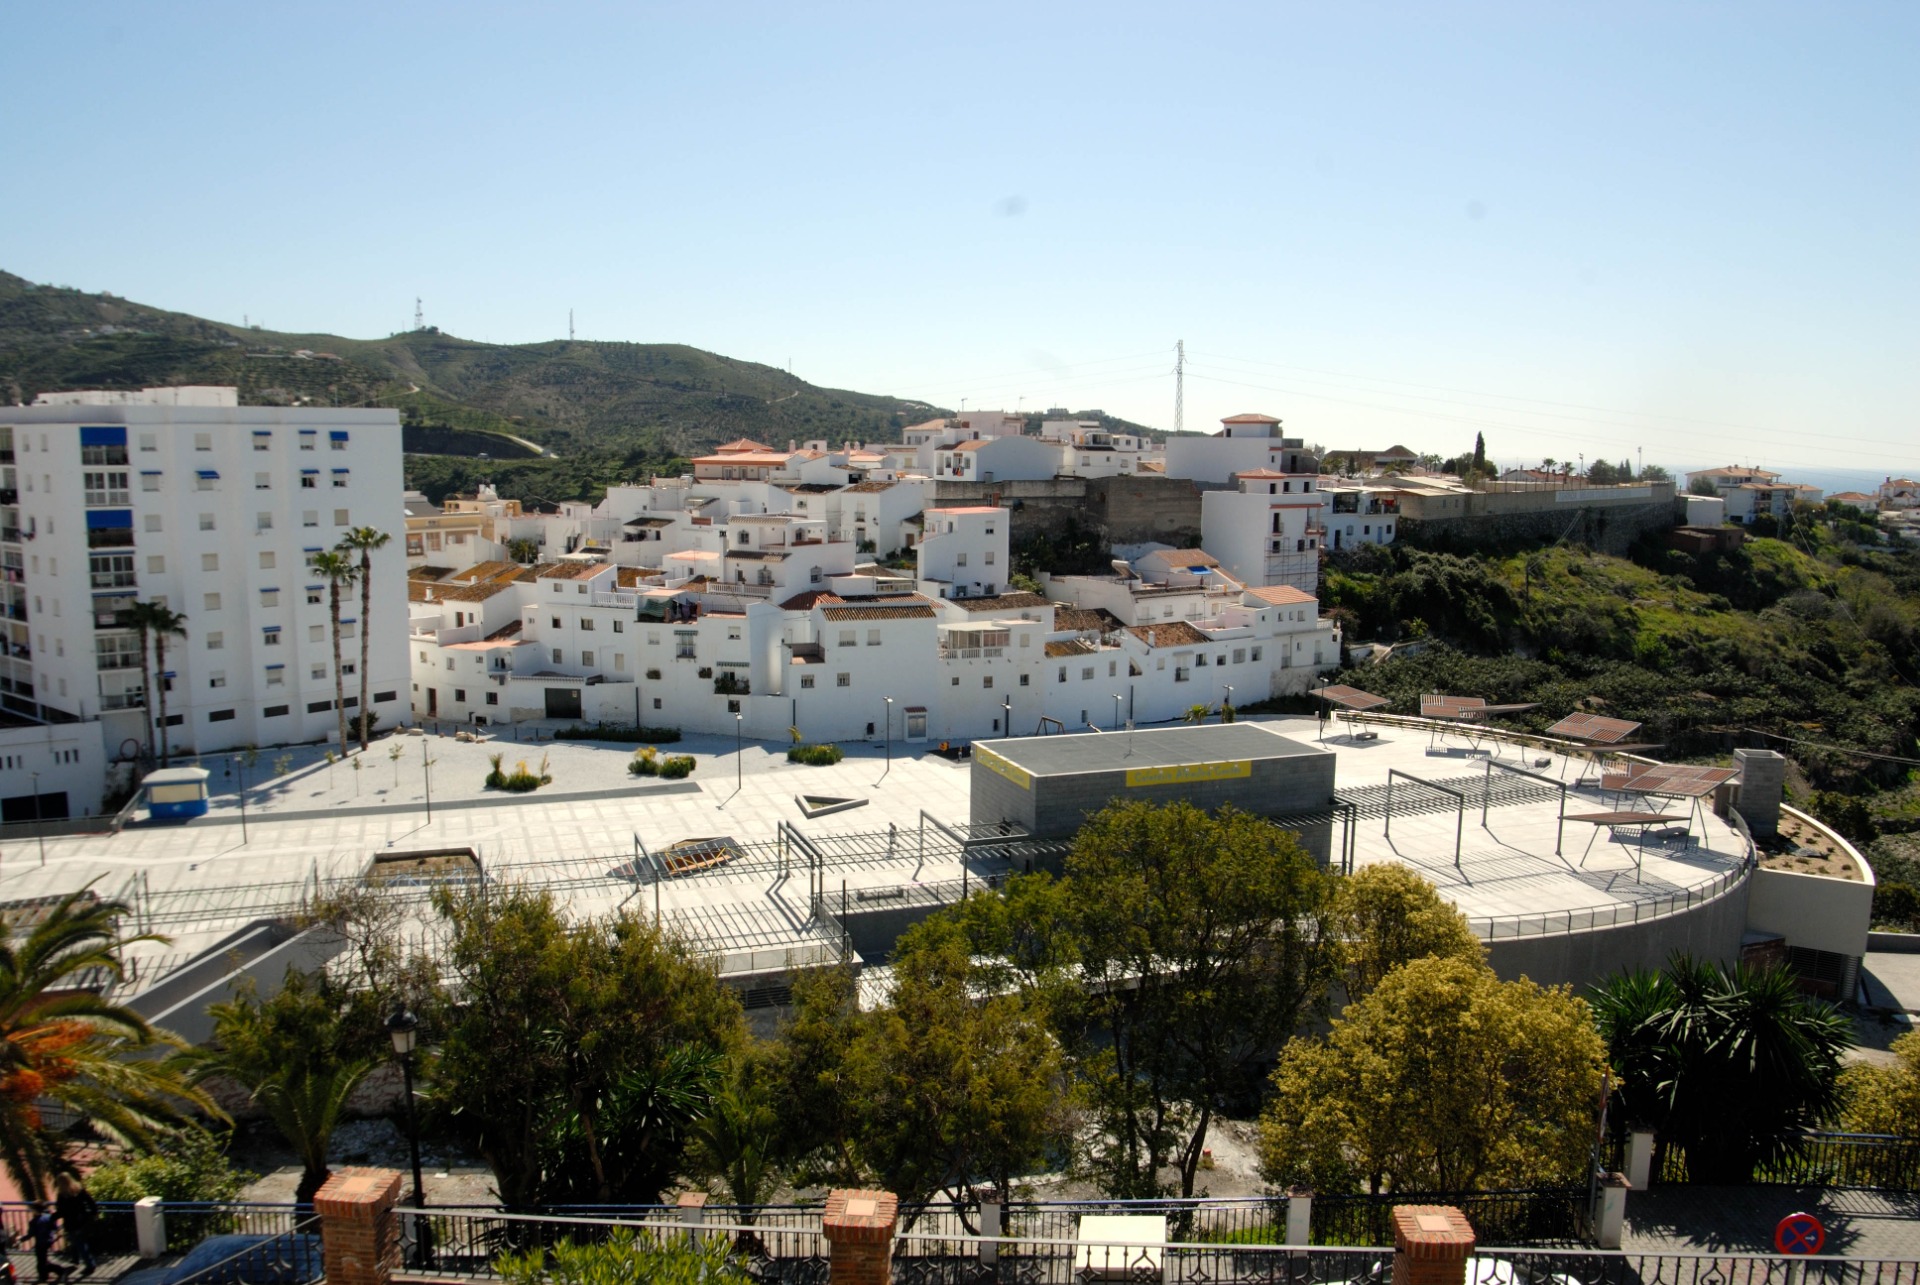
x: 1799, y: 1234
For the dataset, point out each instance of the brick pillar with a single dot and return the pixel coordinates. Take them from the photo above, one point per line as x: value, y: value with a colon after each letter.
x: 859, y: 1227
x: 359, y: 1234
x: 1431, y: 1245
x: 1763, y: 776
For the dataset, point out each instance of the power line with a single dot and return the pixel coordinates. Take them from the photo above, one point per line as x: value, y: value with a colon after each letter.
x: 1838, y: 749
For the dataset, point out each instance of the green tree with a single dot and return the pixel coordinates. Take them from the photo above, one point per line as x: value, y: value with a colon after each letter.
x: 1731, y: 1066
x: 624, y: 1256
x: 339, y: 572
x: 155, y: 623
x: 291, y: 1052
x: 577, y: 1053
x: 1480, y: 454
x: 808, y: 1074
x: 190, y: 1166
x: 737, y: 1141
x: 1884, y: 1098
x: 1444, y: 1078
x: 1702, y: 486
x: 1385, y: 916
x: 1201, y: 946
x: 364, y: 540
x: 1197, y: 714
x: 62, y: 1044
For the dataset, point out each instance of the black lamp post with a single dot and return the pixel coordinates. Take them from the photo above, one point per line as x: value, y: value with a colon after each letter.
x: 889, y: 735
x: 1006, y: 708
x: 1226, y: 706
x: 739, y: 752
x: 403, y: 1027
x: 241, y: 764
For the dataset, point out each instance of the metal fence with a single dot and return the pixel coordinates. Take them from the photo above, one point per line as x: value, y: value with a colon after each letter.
x: 1555, y: 1217
x: 1869, y: 1161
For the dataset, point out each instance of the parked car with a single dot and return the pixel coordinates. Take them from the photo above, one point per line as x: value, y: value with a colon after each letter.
x: 290, y: 1258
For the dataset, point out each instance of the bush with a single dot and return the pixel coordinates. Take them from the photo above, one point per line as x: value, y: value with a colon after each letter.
x: 676, y: 766
x: 645, y: 762
x: 659, y: 1258
x: 815, y: 755
x: 190, y: 1167
x: 619, y: 734
x: 518, y: 781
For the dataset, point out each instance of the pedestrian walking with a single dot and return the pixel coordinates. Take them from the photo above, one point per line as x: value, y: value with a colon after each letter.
x: 77, y: 1211
x: 40, y: 1228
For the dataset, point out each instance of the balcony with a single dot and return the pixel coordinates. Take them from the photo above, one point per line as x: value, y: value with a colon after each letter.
x: 972, y: 653
x: 119, y: 660
x: 625, y: 601
x: 105, y: 499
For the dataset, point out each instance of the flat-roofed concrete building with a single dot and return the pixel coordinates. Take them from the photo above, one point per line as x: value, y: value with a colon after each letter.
x: 1049, y: 785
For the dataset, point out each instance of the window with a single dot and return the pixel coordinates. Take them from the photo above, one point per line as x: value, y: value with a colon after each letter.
x: 220, y: 716
x: 112, y: 570
x: 266, y: 560
x: 1086, y: 672
x: 956, y: 680
x: 209, y: 562
x: 309, y: 517
x: 263, y: 521
x: 262, y: 440
x: 203, y: 441
x: 316, y: 633
x: 848, y: 638
x: 306, y: 439
x: 106, y: 488
x: 586, y: 658
x: 1239, y: 655
x: 619, y: 626
x: 1023, y: 681
x: 873, y: 637
x: 340, y: 479
x: 990, y: 557
x: 149, y: 481
x: 210, y: 602
x: 1113, y: 669
x: 1063, y: 673
x: 308, y: 481
x: 960, y: 561
x: 619, y: 662
x: 347, y: 629
x: 337, y: 439
x: 843, y: 680
x: 806, y: 682
x: 1254, y: 654
x: 557, y: 624
x: 586, y: 622
x: 493, y: 698
x: 206, y: 522
x: 217, y: 678
x: 276, y: 677
x: 270, y: 638
x: 205, y: 480
x: 149, y: 442
x: 460, y: 695
x: 379, y: 697
x: 275, y: 711
x: 314, y: 597
x: 987, y: 682
x: 556, y: 657
x: 317, y: 673
x: 340, y: 518
x: 215, y: 640
x: 269, y: 597
x: 156, y: 564
x: 656, y: 702
x: 318, y: 707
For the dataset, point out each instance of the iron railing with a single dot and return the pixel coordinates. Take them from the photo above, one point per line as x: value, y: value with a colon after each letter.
x: 1866, y: 1161
x: 1546, y: 1217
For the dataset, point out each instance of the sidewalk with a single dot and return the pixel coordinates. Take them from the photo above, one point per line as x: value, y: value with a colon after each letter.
x: 1683, y: 1220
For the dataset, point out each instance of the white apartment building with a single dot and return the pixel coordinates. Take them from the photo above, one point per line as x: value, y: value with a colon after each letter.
x: 1270, y: 530
x: 1357, y: 513
x: 1088, y: 449
x: 215, y: 509
x: 1245, y: 443
x: 964, y: 552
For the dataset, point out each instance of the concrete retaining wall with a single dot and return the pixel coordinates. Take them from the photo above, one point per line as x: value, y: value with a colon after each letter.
x: 1124, y: 510
x: 1707, y: 932
x: 1610, y: 529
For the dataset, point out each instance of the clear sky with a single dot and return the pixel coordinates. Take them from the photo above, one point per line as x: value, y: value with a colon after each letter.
x: 1580, y: 228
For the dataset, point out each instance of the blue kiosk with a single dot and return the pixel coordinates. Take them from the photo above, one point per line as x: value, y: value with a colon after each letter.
x: 176, y: 793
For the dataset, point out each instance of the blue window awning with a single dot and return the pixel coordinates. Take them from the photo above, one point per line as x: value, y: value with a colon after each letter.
x: 276, y: 666
x: 338, y: 435
x: 263, y: 432
x: 206, y: 473
x: 270, y: 629
x: 341, y: 470
x: 309, y: 471
x: 149, y: 472
x: 306, y: 432
x: 270, y: 589
x: 109, y: 519
x: 103, y: 437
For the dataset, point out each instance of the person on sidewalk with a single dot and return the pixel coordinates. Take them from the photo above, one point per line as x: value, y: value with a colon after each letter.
x: 77, y: 1212
x: 40, y: 1228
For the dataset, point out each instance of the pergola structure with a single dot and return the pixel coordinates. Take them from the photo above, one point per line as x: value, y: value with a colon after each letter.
x: 1350, y: 699
x: 1597, y: 735
x: 1679, y: 781
x: 1470, y: 712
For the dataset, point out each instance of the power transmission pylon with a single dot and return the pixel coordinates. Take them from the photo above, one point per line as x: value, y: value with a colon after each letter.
x: 1179, y: 385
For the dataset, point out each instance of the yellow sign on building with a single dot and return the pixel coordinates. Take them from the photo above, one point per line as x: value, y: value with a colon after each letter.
x: 994, y: 763
x: 1183, y: 773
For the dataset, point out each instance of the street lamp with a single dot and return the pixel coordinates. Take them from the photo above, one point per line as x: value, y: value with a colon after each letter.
x: 889, y: 719
x: 1226, y: 706
x: 739, y: 749
x: 1116, y: 711
x: 426, y: 769
x: 241, y: 764
x: 38, y: 833
x: 403, y: 1027
x: 1006, y: 710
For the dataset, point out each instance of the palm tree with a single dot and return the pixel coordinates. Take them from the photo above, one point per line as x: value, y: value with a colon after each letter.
x: 340, y: 573
x: 61, y: 1044
x: 1197, y: 714
x: 156, y: 623
x: 366, y: 540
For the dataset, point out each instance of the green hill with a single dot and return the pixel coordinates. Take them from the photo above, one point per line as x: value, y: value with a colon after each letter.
x: 608, y: 411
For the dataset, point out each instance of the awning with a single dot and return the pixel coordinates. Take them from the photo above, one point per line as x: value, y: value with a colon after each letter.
x: 276, y: 666
x: 206, y: 473
x: 309, y: 471
x: 149, y: 472
x: 109, y: 519
x: 103, y: 436
x: 270, y: 629
x: 341, y: 470
x: 338, y: 435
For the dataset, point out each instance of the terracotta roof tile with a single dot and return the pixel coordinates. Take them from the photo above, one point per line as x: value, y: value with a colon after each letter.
x: 1000, y: 602
x: 1281, y: 595
x: 1085, y: 620
x: 810, y: 599
x: 911, y: 611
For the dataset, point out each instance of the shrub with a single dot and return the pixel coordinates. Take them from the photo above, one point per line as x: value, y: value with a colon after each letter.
x: 624, y: 1256
x: 645, y: 762
x: 520, y: 780
x: 676, y: 766
x: 815, y: 755
x: 619, y: 733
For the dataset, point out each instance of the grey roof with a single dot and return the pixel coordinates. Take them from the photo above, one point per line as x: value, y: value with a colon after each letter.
x: 1159, y: 747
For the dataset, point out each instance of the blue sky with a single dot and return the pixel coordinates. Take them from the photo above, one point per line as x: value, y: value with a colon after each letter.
x: 1683, y: 228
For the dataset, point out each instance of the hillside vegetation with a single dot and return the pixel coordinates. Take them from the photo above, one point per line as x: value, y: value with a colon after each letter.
x: 1809, y: 637
x: 609, y: 411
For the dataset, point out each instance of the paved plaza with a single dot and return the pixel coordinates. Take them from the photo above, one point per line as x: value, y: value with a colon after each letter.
x: 1520, y: 867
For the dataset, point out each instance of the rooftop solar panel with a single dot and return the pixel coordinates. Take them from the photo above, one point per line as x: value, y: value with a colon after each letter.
x: 1678, y: 780
x: 1455, y: 707
x: 1352, y: 697
x: 1594, y: 729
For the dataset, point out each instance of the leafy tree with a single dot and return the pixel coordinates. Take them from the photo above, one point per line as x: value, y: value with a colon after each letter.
x: 1702, y: 486
x: 188, y: 1166
x: 737, y: 1140
x: 954, y: 1084
x: 1480, y: 453
x: 1201, y: 945
x: 1731, y: 1066
x: 155, y: 623
x: 1385, y: 916
x: 1444, y: 1078
x: 291, y: 1053
x: 339, y: 572
x: 1884, y: 1099
x: 364, y: 540
x: 577, y: 1053
x: 808, y: 1074
x: 63, y: 1045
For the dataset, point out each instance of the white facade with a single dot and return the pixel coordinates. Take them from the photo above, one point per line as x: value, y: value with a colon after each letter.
x: 213, y: 509
x: 1358, y: 513
x: 1269, y: 531
x: 997, y: 459
x: 1244, y: 444
x: 964, y: 552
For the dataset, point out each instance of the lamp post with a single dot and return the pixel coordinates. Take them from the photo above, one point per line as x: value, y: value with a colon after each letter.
x: 241, y: 764
x: 1226, y: 706
x: 403, y: 1027
x: 739, y: 749
x: 38, y: 833
x: 888, y: 715
x: 1006, y: 710
x: 1116, y: 711
x: 426, y: 770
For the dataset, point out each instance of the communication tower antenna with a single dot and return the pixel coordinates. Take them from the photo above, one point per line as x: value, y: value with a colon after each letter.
x: 419, y: 315
x: 569, y: 325
x: 1179, y: 385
